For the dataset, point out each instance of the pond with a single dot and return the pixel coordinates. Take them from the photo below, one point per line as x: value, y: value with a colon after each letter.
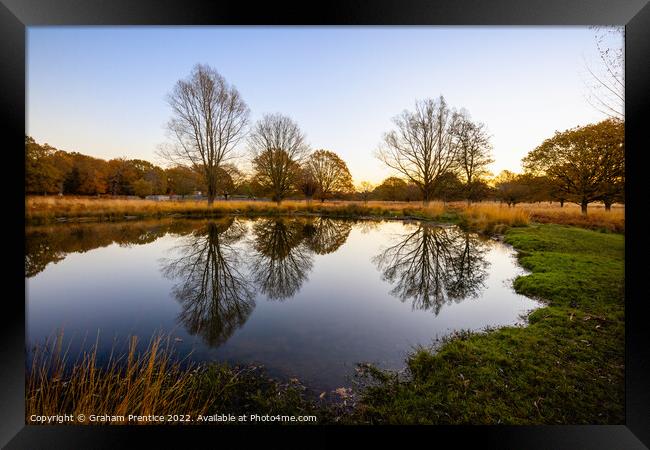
x: 306, y: 297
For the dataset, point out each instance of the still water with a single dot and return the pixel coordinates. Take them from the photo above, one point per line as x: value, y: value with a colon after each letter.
x: 308, y: 298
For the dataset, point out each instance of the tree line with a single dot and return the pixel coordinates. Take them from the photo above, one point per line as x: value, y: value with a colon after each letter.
x: 435, y: 150
x: 50, y: 171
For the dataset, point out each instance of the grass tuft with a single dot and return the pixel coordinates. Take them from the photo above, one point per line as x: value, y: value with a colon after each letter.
x: 153, y: 381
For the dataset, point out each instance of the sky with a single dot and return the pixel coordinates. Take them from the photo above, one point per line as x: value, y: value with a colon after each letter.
x: 101, y: 90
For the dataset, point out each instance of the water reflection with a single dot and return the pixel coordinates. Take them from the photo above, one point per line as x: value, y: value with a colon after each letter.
x: 434, y: 266
x: 215, y: 295
x: 217, y: 280
x: 50, y: 244
x: 324, y: 235
x: 280, y: 260
x: 209, y: 281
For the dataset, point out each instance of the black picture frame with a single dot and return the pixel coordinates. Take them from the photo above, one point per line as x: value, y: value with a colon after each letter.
x: 16, y: 15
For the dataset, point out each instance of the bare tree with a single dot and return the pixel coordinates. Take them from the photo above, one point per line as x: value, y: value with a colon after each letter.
x: 607, y: 77
x: 365, y: 189
x: 423, y: 147
x: 278, y: 149
x: 209, y: 118
x: 474, y: 153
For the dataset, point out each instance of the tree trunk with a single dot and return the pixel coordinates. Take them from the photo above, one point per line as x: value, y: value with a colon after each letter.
x: 562, y: 203
x: 608, y: 205
x: 425, y: 198
x: 225, y: 196
x: 212, y: 190
x: 583, y: 206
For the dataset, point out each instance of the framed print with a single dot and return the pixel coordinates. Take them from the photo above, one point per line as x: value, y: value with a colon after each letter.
x: 367, y: 219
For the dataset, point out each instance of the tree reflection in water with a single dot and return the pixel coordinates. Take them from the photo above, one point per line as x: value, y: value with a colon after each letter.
x: 324, y: 235
x: 434, y: 266
x: 280, y: 260
x: 216, y: 297
x: 52, y: 243
x: 216, y: 281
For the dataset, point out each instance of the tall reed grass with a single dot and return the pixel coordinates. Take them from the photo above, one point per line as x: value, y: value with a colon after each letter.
x: 138, y: 383
x: 491, y: 217
x: 153, y: 381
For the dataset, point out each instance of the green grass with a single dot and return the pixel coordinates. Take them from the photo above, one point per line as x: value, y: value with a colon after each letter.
x: 566, y: 366
x: 249, y: 390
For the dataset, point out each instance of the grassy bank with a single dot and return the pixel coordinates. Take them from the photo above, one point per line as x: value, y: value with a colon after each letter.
x: 566, y: 366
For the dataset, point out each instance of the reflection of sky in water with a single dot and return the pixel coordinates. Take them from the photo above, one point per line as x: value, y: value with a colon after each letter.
x: 342, y: 313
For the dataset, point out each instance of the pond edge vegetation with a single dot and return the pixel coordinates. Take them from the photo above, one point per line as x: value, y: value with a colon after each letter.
x: 484, y: 217
x: 564, y: 366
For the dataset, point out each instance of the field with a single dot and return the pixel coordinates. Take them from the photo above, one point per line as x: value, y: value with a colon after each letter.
x: 488, y: 217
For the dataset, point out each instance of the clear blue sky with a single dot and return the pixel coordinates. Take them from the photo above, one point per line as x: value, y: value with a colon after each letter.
x: 101, y: 90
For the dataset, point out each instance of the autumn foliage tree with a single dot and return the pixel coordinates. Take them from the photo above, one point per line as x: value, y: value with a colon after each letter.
x: 142, y: 188
x: 229, y: 179
x: 183, y: 180
x: 511, y: 188
x: 585, y: 163
x: 42, y: 176
x: 330, y: 173
x: 307, y: 183
x: 391, y: 189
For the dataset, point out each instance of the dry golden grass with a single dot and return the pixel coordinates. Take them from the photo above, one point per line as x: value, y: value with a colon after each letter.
x: 149, y: 382
x: 491, y: 217
x: 485, y: 216
x: 596, y: 219
x: 48, y: 209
